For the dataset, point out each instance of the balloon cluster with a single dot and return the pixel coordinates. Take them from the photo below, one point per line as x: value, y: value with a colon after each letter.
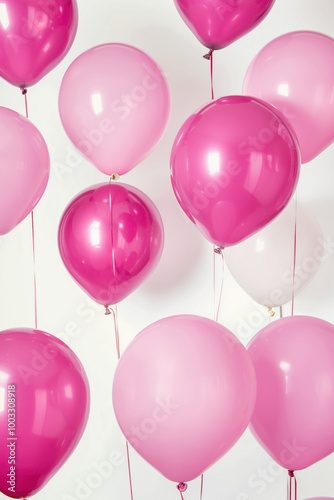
x: 186, y: 388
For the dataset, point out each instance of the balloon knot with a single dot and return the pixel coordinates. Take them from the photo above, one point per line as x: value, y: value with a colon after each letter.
x: 114, y: 177
x: 208, y: 55
x: 291, y: 474
x: 218, y: 250
x: 182, y: 487
x: 23, y: 90
x: 271, y: 312
x: 107, y: 311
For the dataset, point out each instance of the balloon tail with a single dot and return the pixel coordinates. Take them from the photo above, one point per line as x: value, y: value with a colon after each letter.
x: 182, y: 487
x: 271, y: 312
x: 107, y: 311
x: 209, y: 57
x: 24, y: 93
x: 294, y: 261
x: 292, y: 486
x: 218, y: 251
x: 115, y: 177
x: 201, y: 488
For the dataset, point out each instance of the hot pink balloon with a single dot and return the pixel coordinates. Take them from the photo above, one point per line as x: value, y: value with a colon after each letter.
x: 45, y: 405
x: 24, y: 168
x: 294, y: 73
x: 35, y: 36
x: 218, y: 23
x: 183, y: 394
x: 110, y: 239
x: 234, y: 167
x: 293, y: 415
x: 114, y: 105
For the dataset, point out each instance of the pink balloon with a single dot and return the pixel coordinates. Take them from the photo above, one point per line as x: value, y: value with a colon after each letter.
x: 183, y: 394
x: 294, y: 73
x: 24, y: 168
x: 234, y: 167
x: 114, y: 105
x: 45, y: 405
x: 218, y: 23
x: 293, y: 415
x: 35, y: 36
x: 110, y: 239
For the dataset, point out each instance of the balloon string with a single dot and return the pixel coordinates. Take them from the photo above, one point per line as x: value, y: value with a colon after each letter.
x: 209, y: 56
x: 292, y: 486
x: 182, y: 487
x: 201, y: 490
x: 24, y: 93
x: 294, y: 261
x: 34, y: 266
x: 218, y: 251
x: 129, y: 469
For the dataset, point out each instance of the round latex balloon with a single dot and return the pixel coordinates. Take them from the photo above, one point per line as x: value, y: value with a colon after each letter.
x: 110, y: 239
x: 234, y: 167
x: 24, y: 168
x: 266, y: 266
x: 294, y: 73
x: 218, y: 23
x: 293, y: 415
x: 35, y: 36
x: 114, y: 105
x: 45, y: 403
x: 183, y: 394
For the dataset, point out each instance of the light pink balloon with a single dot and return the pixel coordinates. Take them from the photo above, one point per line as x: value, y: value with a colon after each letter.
x: 110, y: 239
x: 293, y: 415
x: 234, y: 167
x: 295, y: 73
x: 183, y: 394
x: 35, y: 36
x: 114, y: 105
x: 218, y: 23
x: 24, y: 168
x: 45, y: 405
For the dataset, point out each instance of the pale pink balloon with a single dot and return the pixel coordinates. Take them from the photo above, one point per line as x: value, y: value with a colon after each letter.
x: 35, y: 36
x: 114, y: 105
x: 234, y: 167
x: 183, y: 394
x: 218, y: 23
x: 294, y: 73
x: 45, y: 404
x: 293, y: 415
x: 24, y: 168
x: 110, y: 239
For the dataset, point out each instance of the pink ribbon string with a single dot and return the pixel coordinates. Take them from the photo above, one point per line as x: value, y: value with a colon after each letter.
x: 292, y: 486
x: 209, y: 56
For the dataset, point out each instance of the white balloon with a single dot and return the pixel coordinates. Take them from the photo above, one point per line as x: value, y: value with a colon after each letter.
x: 263, y: 264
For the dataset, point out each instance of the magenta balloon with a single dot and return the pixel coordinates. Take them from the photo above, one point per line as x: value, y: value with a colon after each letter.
x: 45, y: 405
x: 218, y: 23
x: 294, y: 73
x: 24, y: 168
x: 293, y: 416
x: 114, y: 105
x: 183, y: 394
x: 35, y: 36
x: 234, y: 167
x: 110, y: 239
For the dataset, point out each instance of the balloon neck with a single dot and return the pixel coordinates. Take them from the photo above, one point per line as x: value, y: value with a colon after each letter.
x: 208, y: 55
x: 182, y: 487
x: 271, y: 312
x: 291, y: 473
x: 23, y: 89
x: 107, y: 310
x: 115, y: 177
x: 219, y: 250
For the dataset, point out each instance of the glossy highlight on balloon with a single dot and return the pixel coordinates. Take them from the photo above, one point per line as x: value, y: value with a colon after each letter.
x: 110, y: 239
x: 35, y: 36
x: 114, y: 104
x: 24, y: 170
x: 234, y: 167
x: 293, y: 362
x: 218, y: 23
x: 295, y: 74
x: 183, y: 394
x: 44, y: 394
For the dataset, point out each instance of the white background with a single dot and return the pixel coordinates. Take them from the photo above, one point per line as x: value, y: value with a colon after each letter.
x: 184, y: 280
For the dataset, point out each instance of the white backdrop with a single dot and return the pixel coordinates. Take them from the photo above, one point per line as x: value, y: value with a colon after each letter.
x: 184, y: 280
